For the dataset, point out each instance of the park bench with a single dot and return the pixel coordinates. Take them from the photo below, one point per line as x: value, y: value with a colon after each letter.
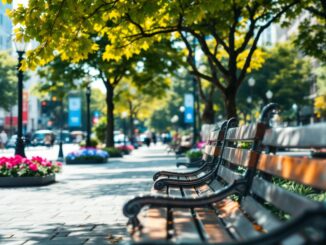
x: 253, y: 199
x: 203, y: 177
x: 212, y: 147
x: 210, y: 157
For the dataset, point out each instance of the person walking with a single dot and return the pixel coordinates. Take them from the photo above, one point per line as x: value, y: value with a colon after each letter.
x: 3, y: 139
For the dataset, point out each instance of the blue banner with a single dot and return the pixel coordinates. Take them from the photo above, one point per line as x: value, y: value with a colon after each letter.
x: 74, y: 112
x: 189, y: 108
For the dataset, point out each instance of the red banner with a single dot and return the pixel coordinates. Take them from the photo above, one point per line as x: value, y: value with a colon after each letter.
x: 11, y: 121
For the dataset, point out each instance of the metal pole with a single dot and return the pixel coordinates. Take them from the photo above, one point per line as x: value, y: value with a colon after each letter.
x: 60, y: 155
x: 194, y: 138
x: 20, y: 147
x: 88, y: 115
x: 124, y: 131
x: 194, y: 84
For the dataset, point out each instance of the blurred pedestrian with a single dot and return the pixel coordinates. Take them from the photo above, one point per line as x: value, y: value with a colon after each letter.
x: 148, y: 138
x: 154, y: 138
x: 3, y: 139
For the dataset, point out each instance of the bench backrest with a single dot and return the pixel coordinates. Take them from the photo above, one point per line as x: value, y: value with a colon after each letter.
x: 213, y: 145
x: 235, y: 154
x: 276, y: 193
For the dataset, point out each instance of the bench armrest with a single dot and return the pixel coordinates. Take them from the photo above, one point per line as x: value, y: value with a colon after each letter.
x: 161, y: 183
x: 133, y: 206
x: 182, y: 174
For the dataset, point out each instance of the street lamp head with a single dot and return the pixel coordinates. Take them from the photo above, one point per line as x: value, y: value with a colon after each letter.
x: 269, y: 94
x: 124, y: 114
x: 174, y: 119
x: 295, y: 107
x: 20, y: 45
x: 249, y: 100
x: 251, y: 82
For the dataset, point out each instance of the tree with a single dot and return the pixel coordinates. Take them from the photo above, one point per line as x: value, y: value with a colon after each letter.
x: 312, y: 30
x: 227, y: 32
x: 8, y: 81
x: 141, y: 101
x: 285, y: 74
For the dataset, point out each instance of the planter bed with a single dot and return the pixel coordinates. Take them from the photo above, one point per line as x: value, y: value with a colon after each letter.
x: 27, y: 181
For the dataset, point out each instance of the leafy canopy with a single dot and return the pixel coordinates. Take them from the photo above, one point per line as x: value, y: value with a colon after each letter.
x: 8, y: 80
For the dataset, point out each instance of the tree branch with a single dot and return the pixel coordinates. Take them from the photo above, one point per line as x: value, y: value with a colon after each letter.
x: 254, y: 45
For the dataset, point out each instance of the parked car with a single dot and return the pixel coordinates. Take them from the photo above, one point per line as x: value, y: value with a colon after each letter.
x: 43, y: 138
x: 11, y: 143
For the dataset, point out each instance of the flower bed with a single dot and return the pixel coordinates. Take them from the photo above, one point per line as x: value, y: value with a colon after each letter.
x: 125, y: 149
x: 86, y: 156
x: 20, y: 171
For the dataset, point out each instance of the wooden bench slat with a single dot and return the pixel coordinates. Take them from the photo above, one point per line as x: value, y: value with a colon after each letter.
x: 304, y: 170
x: 262, y: 216
x: 287, y: 201
x: 246, y: 132
x: 214, y: 230
x: 185, y: 229
x: 235, y: 221
x: 240, y: 157
x: 153, y: 220
x: 215, y: 185
x: 216, y: 135
x: 228, y: 175
x: 212, y: 150
x: 304, y: 137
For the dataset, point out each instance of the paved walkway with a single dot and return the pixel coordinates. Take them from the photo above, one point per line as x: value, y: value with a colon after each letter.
x: 84, y: 206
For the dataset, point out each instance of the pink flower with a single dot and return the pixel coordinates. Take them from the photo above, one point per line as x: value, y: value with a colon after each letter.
x: 59, y: 164
x: 33, y: 167
x: 9, y: 165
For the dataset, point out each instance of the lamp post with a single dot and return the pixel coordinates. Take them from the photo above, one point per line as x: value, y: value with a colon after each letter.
x: 251, y: 83
x: 60, y: 154
x: 124, y: 116
x: 269, y: 95
x: 20, y: 144
x: 295, y: 107
x: 88, y: 116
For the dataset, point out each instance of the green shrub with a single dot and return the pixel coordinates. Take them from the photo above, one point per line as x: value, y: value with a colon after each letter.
x: 113, y: 152
x: 94, y: 142
x: 100, y: 130
x: 195, y: 153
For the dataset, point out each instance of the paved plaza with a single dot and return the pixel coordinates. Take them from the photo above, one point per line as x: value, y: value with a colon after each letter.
x: 84, y: 206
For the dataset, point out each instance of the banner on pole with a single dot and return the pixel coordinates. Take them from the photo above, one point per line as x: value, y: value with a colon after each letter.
x: 189, y: 108
x: 74, y: 115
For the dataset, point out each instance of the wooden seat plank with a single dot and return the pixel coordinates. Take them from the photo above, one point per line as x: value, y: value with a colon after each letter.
x: 235, y: 221
x: 262, y: 216
x: 154, y: 224
x: 184, y: 227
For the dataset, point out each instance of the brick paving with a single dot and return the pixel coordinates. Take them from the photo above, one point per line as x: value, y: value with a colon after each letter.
x: 84, y: 206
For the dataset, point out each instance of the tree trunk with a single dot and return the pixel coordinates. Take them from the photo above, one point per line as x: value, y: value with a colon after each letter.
x: 229, y: 103
x: 208, y: 113
x: 110, y: 117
